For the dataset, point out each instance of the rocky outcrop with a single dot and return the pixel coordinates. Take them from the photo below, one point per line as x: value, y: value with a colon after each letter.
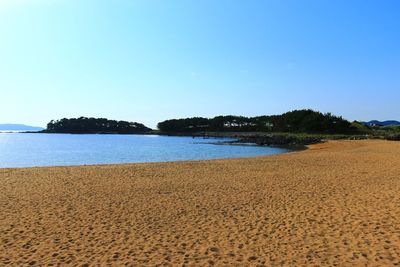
x: 394, y: 137
x: 280, y: 140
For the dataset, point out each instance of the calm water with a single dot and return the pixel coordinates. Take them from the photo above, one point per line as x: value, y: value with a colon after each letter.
x: 28, y: 150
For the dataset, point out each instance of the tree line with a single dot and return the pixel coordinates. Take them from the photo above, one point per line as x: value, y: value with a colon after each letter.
x: 297, y: 121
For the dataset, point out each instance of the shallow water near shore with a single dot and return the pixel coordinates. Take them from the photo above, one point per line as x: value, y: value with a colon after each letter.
x: 33, y: 150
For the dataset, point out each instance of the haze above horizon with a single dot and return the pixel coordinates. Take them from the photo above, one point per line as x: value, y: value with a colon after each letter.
x: 151, y: 60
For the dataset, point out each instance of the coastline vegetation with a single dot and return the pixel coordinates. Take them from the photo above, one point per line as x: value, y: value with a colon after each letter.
x: 298, y: 121
x: 298, y: 127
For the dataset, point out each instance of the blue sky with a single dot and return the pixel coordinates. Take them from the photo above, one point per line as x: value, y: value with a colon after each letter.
x: 152, y: 60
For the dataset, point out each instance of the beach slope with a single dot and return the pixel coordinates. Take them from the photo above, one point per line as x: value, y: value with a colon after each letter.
x: 337, y: 203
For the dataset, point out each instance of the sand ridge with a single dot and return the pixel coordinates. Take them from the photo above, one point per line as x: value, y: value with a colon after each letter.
x: 336, y: 204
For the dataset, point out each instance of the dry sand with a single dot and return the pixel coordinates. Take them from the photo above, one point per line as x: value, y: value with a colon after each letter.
x: 337, y: 203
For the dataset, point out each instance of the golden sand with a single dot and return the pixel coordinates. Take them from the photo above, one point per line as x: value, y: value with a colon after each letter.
x: 337, y: 203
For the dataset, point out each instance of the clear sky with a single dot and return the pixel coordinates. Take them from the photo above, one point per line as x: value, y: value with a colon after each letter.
x: 151, y: 60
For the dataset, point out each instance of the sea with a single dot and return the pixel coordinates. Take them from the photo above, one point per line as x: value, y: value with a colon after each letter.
x: 39, y: 150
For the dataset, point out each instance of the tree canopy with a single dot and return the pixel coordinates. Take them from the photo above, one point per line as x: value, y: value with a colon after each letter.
x: 304, y: 121
x: 85, y: 125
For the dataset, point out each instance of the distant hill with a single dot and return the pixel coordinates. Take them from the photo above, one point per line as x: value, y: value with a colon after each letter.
x: 382, y: 123
x: 19, y: 127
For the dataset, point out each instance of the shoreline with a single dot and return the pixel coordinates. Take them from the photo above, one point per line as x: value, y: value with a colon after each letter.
x: 278, y: 139
x: 284, y: 140
x: 174, y: 155
x: 290, y: 150
x: 335, y: 203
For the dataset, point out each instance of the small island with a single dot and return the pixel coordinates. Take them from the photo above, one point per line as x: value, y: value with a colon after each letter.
x: 85, y: 125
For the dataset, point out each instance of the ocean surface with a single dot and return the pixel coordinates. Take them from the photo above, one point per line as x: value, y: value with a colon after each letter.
x: 30, y: 150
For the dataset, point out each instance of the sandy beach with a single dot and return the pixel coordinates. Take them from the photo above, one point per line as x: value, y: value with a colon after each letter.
x: 335, y: 204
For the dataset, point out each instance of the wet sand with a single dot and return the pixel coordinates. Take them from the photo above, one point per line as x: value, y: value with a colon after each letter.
x: 337, y: 203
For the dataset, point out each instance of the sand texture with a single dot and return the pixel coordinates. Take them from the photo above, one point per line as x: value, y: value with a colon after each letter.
x: 336, y: 204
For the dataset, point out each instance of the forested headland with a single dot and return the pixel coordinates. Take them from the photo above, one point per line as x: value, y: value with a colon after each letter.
x: 298, y: 121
